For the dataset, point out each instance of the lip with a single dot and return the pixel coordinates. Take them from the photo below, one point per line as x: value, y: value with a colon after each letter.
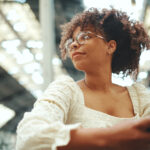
x: 77, y: 54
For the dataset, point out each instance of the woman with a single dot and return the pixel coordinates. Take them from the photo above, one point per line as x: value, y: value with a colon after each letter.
x: 93, y: 113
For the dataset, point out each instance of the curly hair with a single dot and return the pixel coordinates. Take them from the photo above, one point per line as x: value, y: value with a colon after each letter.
x: 130, y: 36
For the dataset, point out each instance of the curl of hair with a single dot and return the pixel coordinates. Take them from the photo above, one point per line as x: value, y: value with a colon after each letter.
x: 130, y: 36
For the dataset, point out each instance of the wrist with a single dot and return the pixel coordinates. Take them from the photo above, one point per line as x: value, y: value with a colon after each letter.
x: 103, y: 139
x: 90, y: 139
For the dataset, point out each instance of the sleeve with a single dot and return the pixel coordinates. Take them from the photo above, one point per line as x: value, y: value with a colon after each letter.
x: 144, y: 99
x: 44, y: 127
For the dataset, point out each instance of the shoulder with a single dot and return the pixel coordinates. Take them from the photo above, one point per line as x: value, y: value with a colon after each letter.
x: 141, y: 89
x: 63, y: 87
x: 63, y: 79
x: 63, y: 82
x: 143, y: 95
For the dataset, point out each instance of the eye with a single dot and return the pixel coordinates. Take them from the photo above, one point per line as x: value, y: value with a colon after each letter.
x: 82, y: 37
x: 86, y: 37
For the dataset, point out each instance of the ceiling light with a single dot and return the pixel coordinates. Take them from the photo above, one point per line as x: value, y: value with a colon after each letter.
x: 12, y: 15
x: 20, y: 27
x: 37, y: 78
x: 34, y: 44
x: 10, y: 43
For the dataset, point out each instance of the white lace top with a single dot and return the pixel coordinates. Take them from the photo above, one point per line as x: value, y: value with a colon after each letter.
x: 61, y: 108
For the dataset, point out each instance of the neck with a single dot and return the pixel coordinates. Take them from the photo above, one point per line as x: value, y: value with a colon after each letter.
x: 100, y: 80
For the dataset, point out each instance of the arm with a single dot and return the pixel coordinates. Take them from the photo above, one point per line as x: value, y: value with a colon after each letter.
x: 130, y: 135
x: 43, y: 134
x: 44, y: 127
x: 87, y: 139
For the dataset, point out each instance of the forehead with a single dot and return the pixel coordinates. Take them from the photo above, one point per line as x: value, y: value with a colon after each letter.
x: 78, y: 30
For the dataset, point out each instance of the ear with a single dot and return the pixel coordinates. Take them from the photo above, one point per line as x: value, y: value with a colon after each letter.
x: 112, y: 45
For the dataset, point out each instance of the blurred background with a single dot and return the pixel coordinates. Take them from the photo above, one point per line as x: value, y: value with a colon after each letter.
x: 30, y: 56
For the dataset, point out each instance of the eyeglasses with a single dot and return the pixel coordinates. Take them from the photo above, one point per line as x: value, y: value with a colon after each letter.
x: 81, y: 38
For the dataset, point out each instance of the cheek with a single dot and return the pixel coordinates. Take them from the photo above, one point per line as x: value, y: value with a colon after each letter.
x: 97, y: 54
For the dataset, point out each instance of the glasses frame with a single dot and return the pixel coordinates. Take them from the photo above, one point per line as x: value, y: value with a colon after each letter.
x: 70, y: 40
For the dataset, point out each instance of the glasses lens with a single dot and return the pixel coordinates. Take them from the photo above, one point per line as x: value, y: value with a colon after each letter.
x: 68, y: 44
x: 82, y: 37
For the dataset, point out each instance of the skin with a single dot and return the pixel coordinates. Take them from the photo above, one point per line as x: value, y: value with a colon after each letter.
x: 131, y: 135
x: 102, y: 95
x: 99, y: 92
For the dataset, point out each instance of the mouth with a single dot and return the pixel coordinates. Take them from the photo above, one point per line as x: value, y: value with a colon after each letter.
x: 75, y: 54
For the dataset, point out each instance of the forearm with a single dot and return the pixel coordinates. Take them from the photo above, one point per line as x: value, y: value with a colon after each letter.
x: 87, y: 139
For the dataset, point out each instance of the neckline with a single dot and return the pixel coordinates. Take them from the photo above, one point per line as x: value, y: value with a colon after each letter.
x: 133, y: 98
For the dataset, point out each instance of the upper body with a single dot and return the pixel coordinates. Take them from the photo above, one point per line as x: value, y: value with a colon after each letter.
x: 62, y: 108
x: 99, y: 44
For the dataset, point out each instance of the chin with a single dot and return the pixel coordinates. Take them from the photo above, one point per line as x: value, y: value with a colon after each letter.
x: 79, y: 66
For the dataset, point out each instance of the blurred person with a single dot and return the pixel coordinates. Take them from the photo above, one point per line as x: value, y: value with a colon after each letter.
x: 93, y: 113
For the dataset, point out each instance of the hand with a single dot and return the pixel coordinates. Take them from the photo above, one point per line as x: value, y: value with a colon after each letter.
x: 130, y: 135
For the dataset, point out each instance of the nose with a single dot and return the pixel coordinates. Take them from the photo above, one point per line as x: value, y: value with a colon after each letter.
x: 74, y: 45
